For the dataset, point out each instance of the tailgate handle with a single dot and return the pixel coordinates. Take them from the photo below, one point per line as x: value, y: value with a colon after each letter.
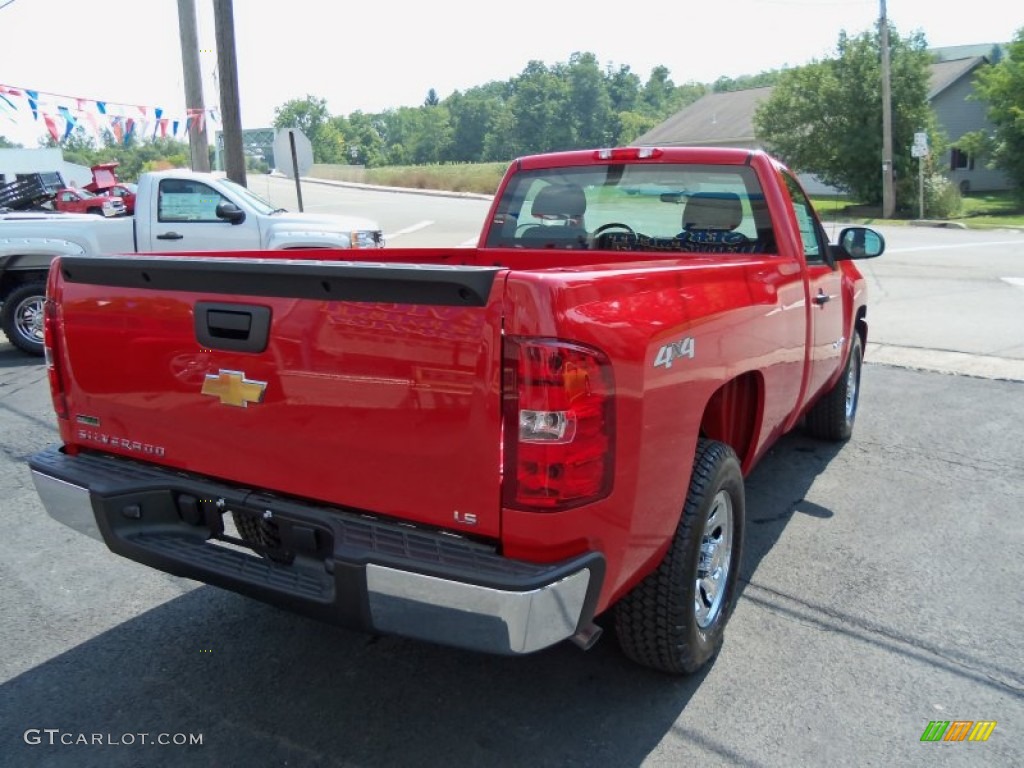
x: 234, y: 327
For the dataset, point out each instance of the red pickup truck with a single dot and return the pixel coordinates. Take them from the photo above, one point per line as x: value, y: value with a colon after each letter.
x: 484, y: 447
x: 105, y: 183
x: 74, y: 200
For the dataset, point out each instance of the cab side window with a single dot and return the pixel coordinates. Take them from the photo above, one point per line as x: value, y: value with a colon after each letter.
x: 814, y: 243
x: 181, y: 200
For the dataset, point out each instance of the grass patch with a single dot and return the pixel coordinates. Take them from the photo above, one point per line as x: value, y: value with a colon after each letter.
x: 481, y: 178
x: 992, y: 209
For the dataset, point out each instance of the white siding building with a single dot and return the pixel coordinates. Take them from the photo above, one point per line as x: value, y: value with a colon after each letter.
x: 23, y: 161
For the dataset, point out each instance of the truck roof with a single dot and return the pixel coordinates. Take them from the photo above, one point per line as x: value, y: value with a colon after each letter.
x: 703, y: 155
x: 184, y: 173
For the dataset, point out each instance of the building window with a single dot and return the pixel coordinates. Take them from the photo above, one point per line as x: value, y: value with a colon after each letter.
x: 960, y: 161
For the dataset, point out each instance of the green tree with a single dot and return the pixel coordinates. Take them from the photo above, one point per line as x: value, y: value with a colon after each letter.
x: 1002, y: 86
x: 79, y: 147
x: 632, y: 125
x: 433, y: 135
x: 501, y: 142
x: 311, y: 116
x: 6, y: 143
x: 658, y: 92
x: 540, y: 103
x: 826, y: 118
x: 363, y: 139
x: 623, y: 88
x: 472, y: 115
x: 590, y: 105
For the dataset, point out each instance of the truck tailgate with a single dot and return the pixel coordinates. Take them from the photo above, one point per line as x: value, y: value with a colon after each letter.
x: 370, y: 386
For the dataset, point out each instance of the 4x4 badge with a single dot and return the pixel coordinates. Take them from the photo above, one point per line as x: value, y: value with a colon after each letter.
x: 232, y: 388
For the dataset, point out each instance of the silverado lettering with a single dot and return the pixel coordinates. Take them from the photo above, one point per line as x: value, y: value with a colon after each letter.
x: 547, y: 380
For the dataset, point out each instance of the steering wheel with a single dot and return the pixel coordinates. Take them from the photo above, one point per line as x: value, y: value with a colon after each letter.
x: 613, y: 225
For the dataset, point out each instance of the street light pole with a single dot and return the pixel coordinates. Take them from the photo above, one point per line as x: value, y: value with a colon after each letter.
x: 888, y: 191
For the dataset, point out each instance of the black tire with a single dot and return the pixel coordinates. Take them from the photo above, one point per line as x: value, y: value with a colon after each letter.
x: 95, y: 211
x: 22, y: 317
x: 832, y: 417
x: 668, y: 621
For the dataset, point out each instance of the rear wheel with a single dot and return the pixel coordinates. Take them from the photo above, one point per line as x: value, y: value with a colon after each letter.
x: 674, y: 619
x: 832, y: 417
x: 22, y: 317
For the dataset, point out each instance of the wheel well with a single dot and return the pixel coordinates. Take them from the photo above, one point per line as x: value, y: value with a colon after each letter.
x: 12, y: 278
x: 733, y: 414
x: 860, y: 325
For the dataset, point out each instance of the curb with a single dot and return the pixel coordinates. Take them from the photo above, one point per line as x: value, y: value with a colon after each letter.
x: 378, y: 188
x: 937, y: 223
x: 946, y: 361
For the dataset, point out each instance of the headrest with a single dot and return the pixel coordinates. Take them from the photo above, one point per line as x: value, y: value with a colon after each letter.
x: 713, y: 210
x: 560, y: 201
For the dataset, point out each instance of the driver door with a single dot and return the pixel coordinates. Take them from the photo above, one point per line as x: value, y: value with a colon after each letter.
x: 187, y: 220
x: 823, y: 293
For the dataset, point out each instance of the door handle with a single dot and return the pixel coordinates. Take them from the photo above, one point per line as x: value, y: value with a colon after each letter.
x: 822, y: 298
x: 235, y: 327
x: 170, y: 236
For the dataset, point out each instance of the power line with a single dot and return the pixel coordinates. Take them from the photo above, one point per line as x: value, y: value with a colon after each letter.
x: 6, y: 4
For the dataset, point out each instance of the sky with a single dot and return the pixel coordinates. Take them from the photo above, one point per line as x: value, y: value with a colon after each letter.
x: 374, y: 56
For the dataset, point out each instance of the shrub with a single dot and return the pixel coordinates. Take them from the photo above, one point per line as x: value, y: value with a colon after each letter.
x: 942, y: 198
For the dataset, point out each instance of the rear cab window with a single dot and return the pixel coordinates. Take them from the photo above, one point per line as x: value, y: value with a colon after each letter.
x: 662, y: 207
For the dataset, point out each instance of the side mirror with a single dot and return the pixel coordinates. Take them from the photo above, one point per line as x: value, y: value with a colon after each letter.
x: 230, y: 212
x: 858, y: 243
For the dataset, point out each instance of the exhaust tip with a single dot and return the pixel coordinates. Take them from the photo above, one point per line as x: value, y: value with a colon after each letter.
x: 587, y: 637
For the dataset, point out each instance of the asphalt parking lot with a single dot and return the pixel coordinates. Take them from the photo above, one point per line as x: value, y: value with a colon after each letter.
x: 881, y: 591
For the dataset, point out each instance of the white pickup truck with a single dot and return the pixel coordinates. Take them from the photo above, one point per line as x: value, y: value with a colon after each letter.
x: 175, y: 211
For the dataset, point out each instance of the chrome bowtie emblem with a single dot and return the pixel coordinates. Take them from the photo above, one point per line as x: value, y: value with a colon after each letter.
x: 232, y: 388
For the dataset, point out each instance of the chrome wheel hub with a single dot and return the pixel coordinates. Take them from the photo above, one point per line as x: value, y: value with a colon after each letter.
x: 28, y: 318
x: 852, y: 381
x: 714, y: 562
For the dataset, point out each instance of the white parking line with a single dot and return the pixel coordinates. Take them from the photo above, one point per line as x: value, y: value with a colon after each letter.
x: 408, y: 230
x: 1019, y: 281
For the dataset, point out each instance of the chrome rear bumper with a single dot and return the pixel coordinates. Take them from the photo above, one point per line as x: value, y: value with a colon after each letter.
x: 345, y: 568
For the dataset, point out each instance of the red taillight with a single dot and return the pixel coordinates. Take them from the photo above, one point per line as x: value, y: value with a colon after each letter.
x: 51, y: 348
x: 559, y: 425
x: 628, y: 153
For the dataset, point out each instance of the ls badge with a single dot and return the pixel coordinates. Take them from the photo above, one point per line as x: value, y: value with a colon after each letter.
x: 232, y: 388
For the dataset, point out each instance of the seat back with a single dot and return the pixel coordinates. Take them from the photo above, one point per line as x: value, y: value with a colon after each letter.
x: 710, y: 220
x: 564, y: 203
x: 560, y: 201
x: 713, y: 211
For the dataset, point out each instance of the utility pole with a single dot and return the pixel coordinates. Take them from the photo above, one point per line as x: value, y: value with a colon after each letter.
x: 227, y: 66
x: 888, y: 191
x: 198, y: 143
